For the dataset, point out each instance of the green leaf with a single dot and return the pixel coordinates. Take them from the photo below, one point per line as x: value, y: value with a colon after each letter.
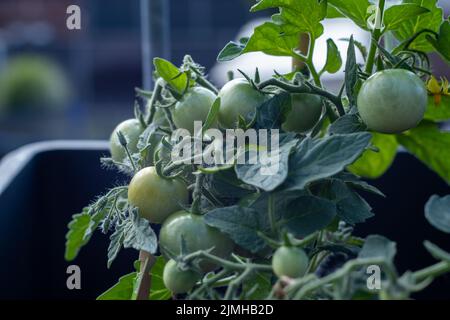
x: 362, y: 48
x: 171, y: 74
x: 348, y: 123
x: 269, y: 172
x: 134, y: 232
x: 351, y: 207
x: 438, y: 112
x: 322, y: 158
x: 431, y: 20
x: 351, y: 72
x: 334, y: 60
x: 376, y: 246
x: 333, y: 13
x: 241, y: 224
x: 158, y: 290
x: 139, y: 235
x: 307, y: 214
x: 442, y: 42
x: 125, y: 288
x: 232, y: 50
x: 271, y: 39
x: 374, y: 164
x: 297, y: 15
x: 430, y: 145
x: 75, y: 236
x: 115, y: 244
x: 437, y: 212
x: 356, y: 183
x: 272, y: 113
x: 122, y: 290
x: 212, y: 115
x: 397, y: 14
x: 356, y: 10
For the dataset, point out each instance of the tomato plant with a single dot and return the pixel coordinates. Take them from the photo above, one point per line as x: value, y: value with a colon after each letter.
x: 235, y: 231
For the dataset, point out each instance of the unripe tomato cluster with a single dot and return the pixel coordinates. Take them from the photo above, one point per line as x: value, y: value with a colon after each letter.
x: 390, y: 101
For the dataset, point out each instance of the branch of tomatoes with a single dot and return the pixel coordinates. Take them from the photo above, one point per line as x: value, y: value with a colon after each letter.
x: 325, y: 263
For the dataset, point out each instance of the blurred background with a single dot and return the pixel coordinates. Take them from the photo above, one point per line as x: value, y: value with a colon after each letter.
x: 57, y: 83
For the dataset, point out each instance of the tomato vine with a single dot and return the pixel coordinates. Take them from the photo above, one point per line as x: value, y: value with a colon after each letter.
x: 230, y: 232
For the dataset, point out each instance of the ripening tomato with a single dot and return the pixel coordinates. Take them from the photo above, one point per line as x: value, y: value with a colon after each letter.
x: 291, y: 262
x: 193, y: 106
x: 131, y: 129
x: 305, y: 112
x: 156, y: 197
x: 238, y: 99
x: 197, y: 236
x: 177, y: 280
x: 392, y: 101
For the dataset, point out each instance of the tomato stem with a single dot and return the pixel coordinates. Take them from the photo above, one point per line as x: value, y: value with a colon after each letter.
x: 234, y: 284
x: 151, y: 105
x: 376, y: 34
x: 226, y: 263
x: 310, y: 64
x: 197, y: 194
x: 305, y: 88
x: 434, y: 270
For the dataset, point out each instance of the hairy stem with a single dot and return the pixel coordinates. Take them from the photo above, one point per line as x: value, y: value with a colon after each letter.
x: 197, y: 194
x: 225, y: 263
x: 155, y: 97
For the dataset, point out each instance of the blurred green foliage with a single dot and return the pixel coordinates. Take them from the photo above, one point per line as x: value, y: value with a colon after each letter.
x: 32, y: 83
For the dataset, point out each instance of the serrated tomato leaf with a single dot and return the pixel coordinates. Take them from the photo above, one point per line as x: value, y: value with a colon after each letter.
x: 317, y: 159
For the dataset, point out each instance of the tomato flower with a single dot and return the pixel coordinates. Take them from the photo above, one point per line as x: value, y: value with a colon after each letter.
x: 437, y: 89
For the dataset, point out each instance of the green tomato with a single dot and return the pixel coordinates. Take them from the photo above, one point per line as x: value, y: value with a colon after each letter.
x: 178, y: 281
x: 238, y: 98
x: 290, y: 262
x: 193, y: 106
x: 305, y: 112
x: 392, y: 101
x: 131, y: 129
x: 197, y: 236
x: 155, y: 197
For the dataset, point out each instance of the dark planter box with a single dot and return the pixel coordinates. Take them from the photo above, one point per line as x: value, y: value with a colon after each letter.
x: 43, y: 184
